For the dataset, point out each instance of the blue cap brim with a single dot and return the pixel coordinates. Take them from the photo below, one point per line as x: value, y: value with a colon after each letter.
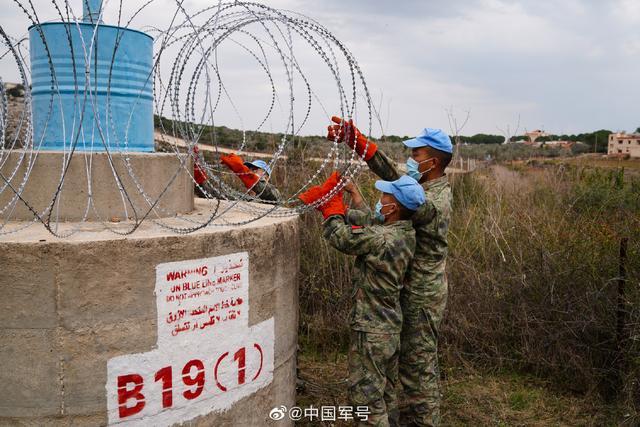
x: 414, y: 143
x: 264, y: 167
x: 384, y: 186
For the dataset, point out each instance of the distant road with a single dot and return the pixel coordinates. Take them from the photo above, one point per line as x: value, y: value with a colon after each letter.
x: 160, y: 137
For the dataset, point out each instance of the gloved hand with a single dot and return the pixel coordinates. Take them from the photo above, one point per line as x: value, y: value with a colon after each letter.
x: 349, y: 134
x: 199, y: 174
x: 237, y: 166
x: 319, y: 191
x: 333, y: 206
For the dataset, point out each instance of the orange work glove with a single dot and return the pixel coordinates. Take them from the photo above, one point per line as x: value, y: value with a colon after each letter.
x: 333, y: 206
x: 199, y: 174
x: 319, y: 191
x: 349, y: 134
x: 237, y: 166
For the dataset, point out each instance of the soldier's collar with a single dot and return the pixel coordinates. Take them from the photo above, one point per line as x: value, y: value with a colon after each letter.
x: 436, y: 182
x: 402, y: 223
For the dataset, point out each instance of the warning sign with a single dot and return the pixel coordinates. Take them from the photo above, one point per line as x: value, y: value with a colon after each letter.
x: 207, y: 356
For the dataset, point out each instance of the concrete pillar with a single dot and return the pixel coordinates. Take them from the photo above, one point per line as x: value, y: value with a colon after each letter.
x: 105, y: 175
x: 77, y: 312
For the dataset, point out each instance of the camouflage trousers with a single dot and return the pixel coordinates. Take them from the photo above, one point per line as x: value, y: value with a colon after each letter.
x: 423, y: 303
x: 373, y: 376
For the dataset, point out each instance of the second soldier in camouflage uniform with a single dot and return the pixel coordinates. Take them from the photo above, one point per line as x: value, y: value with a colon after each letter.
x: 424, y: 296
x: 383, y: 253
x: 254, y: 175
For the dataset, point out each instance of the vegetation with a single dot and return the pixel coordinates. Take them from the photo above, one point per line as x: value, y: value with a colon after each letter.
x: 509, y: 152
x: 596, y: 141
x: 534, y: 280
x: 470, y: 397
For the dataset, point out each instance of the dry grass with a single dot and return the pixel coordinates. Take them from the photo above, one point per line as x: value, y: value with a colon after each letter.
x: 533, y: 273
x: 470, y: 397
x: 631, y: 165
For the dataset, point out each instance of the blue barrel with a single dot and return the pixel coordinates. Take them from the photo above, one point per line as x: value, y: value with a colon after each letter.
x: 118, y: 104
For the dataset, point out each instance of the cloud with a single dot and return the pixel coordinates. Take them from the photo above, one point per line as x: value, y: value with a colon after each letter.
x: 557, y: 63
x: 627, y: 11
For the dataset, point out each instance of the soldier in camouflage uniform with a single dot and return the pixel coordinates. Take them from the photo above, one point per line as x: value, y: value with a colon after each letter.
x: 254, y: 175
x: 263, y: 189
x: 383, y: 253
x: 424, y: 296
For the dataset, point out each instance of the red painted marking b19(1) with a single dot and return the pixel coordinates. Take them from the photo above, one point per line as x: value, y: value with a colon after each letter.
x: 207, y: 356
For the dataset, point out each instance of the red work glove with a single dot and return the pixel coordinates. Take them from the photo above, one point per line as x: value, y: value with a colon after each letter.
x: 199, y: 174
x: 238, y: 167
x: 350, y: 135
x: 333, y: 206
x: 319, y: 191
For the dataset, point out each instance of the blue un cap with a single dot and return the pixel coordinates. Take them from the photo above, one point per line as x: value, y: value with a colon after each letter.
x: 260, y: 164
x: 434, y: 138
x: 406, y: 190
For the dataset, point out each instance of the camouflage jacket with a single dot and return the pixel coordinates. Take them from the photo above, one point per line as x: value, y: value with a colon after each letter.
x: 266, y: 191
x: 383, y: 254
x: 431, y: 222
x: 263, y: 190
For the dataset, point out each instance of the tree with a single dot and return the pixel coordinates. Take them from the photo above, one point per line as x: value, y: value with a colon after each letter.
x: 508, y: 132
x: 543, y: 139
x: 519, y: 138
x: 481, y: 138
x: 597, y: 140
x: 455, y: 125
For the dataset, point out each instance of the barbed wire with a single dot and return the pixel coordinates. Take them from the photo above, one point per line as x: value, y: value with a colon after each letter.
x: 190, y: 92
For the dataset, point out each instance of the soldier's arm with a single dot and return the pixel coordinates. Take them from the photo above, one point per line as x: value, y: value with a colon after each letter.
x: 425, y: 213
x: 348, y: 239
x: 266, y: 191
x: 359, y: 212
x: 383, y: 166
x: 359, y: 216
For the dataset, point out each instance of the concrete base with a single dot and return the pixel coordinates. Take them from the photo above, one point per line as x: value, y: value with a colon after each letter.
x: 68, y: 306
x: 154, y: 171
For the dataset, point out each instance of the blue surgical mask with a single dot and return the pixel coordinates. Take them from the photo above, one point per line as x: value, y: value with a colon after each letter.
x: 378, y: 212
x: 413, y: 168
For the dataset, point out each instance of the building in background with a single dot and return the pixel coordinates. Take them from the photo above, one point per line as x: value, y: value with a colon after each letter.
x: 622, y: 144
x: 566, y: 145
x: 533, y: 135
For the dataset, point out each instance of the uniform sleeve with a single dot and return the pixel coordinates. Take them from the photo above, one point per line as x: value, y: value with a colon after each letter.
x: 350, y: 241
x: 266, y: 191
x: 361, y: 216
x: 425, y: 213
x: 383, y: 166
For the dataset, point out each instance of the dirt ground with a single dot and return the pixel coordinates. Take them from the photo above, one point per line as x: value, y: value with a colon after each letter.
x: 631, y: 165
x: 470, y: 398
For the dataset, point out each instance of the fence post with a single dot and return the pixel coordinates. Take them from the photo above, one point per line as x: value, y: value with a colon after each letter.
x: 621, y: 310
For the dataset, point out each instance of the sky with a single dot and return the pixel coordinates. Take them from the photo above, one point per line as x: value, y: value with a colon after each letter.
x: 567, y: 66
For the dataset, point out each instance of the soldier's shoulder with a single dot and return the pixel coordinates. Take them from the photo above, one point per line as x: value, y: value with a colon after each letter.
x: 440, y: 195
x: 374, y: 232
x: 400, y: 233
